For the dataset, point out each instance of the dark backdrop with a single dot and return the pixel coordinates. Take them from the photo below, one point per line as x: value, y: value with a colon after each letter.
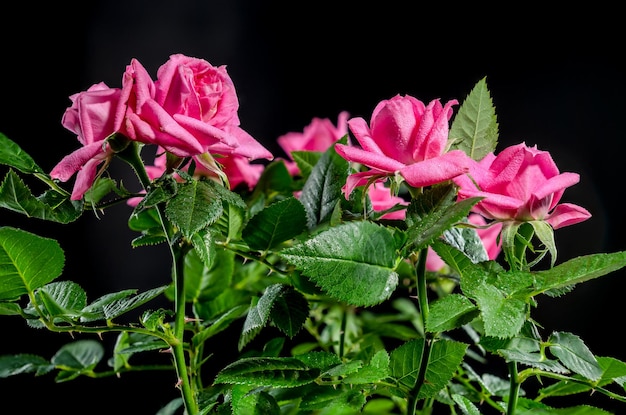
x: 557, y: 81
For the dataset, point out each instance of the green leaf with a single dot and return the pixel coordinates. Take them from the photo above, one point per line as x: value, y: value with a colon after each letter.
x: 290, y: 311
x: 277, y: 223
x: 450, y: 312
x: 286, y: 372
x: 474, y: 129
x: 195, y: 205
x: 253, y: 402
x: 61, y: 301
x: 306, y: 160
x: 27, y: 262
x: 204, y: 283
x: 95, y: 310
x: 580, y: 269
x: 503, y: 316
x: 51, y: 205
x: 220, y: 324
x: 433, y: 212
x: 282, y: 305
x: 124, y: 305
x: 574, y: 354
x: 12, y: 155
x: 331, y: 400
x: 375, y: 371
x: 78, y: 357
x: 322, y: 190
x: 445, y: 358
x: 11, y: 365
x: 353, y: 262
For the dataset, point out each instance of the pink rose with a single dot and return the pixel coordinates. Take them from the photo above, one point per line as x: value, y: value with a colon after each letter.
x: 319, y: 135
x: 382, y: 199
x: 190, y: 109
x: 521, y: 184
x: 92, y: 118
x: 488, y: 235
x: 404, y: 137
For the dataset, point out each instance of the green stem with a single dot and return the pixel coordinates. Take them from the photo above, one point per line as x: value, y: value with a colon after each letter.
x: 514, y: 388
x: 420, y: 272
x: 131, y: 155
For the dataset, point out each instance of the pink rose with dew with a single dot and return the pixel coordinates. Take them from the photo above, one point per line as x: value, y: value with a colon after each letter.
x: 190, y: 109
x: 404, y: 137
x: 521, y: 184
x: 92, y: 118
x: 487, y: 234
x: 319, y: 135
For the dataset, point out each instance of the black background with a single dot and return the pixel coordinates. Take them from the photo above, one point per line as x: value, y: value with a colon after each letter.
x: 556, y: 79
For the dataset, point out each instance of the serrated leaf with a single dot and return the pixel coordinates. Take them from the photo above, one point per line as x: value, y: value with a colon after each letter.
x: 322, y: 190
x: 580, y: 269
x: 445, y: 358
x: 432, y: 213
x: 95, y: 310
x: 474, y: 129
x: 286, y: 372
x: 503, y: 316
x: 124, y: 305
x: 81, y: 355
x: 279, y: 303
x: 575, y: 355
x: 450, y: 312
x: 195, y: 205
x: 353, y: 262
x: 277, y: 223
x: 12, y: 155
x: 51, y: 205
x: 27, y: 262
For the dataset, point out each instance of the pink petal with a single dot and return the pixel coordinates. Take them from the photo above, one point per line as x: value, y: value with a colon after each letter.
x: 567, y: 214
x: 374, y: 160
x: 436, y: 170
x: 75, y: 161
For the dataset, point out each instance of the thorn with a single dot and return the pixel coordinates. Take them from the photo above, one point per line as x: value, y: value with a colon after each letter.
x: 168, y: 350
x: 190, y: 319
x: 178, y: 383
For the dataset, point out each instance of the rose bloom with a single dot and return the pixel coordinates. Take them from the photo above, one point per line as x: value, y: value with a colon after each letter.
x: 319, y: 135
x: 190, y: 109
x: 92, y: 118
x: 404, y: 137
x: 521, y: 184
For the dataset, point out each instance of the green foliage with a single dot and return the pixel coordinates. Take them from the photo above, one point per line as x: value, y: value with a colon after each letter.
x: 330, y: 306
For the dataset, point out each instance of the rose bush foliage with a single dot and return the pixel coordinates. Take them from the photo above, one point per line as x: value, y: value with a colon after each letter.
x: 386, y: 267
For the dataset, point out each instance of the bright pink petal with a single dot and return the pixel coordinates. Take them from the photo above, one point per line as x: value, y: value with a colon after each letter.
x: 373, y: 160
x: 85, y: 178
x: 75, y: 161
x: 361, y: 132
x: 567, y: 214
x: 436, y: 170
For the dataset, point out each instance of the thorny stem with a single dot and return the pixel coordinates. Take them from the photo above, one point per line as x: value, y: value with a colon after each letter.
x: 131, y: 156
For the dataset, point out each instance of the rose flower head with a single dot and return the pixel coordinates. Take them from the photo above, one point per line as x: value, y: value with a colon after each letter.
x: 404, y: 137
x: 92, y: 117
x: 521, y: 184
x: 319, y: 135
